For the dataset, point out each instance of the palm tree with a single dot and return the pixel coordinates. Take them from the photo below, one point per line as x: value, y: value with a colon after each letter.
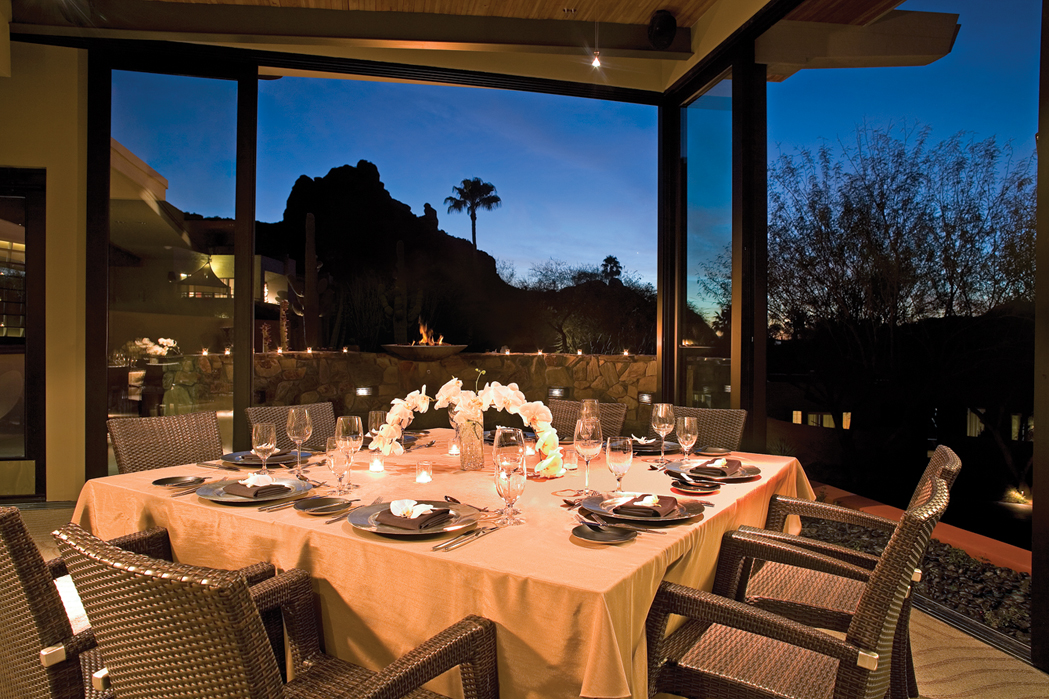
x: 471, y: 196
x: 610, y: 268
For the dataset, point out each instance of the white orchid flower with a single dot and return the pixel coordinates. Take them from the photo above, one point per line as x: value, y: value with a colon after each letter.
x: 448, y: 393
x: 552, y: 466
x: 649, y: 501
x: 535, y: 412
x: 546, y: 442
x: 418, y: 401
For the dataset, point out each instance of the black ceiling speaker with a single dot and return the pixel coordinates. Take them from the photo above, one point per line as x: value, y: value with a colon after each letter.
x: 661, y: 30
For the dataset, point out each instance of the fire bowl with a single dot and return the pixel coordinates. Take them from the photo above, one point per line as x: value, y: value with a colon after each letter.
x: 424, y: 353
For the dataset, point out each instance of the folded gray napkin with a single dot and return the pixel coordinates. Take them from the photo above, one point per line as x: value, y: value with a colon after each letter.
x: 633, y: 508
x: 255, y: 491
x: 433, y: 518
x: 732, y: 467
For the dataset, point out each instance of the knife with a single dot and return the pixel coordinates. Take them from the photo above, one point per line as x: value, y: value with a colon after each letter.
x: 455, y: 539
x: 477, y: 535
x: 221, y: 467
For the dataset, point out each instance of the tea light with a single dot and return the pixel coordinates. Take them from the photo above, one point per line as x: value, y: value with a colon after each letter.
x: 377, y: 463
x: 423, y: 471
x: 579, y: 351
x: 203, y: 353
x: 280, y: 351
x: 453, y: 449
x: 227, y: 351
x: 309, y: 350
x: 345, y: 350
x: 506, y: 352
x: 529, y: 451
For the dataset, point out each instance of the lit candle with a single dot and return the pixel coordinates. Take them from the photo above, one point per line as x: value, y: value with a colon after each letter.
x: 345, y: 350
x: 626, y: 353
x: 529, y: 451
x: 506, y: 352
x: 227, y: 350
x: 540, y: 353
x: 377, y: 464
x: 280, y: 351
x: 579, y: 351
x: 423, y: 471
x: 204, y: 353
x: 453, y: 449
x: 309, y: 350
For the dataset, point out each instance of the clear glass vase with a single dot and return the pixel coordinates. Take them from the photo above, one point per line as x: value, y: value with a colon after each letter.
x: 471, y: 446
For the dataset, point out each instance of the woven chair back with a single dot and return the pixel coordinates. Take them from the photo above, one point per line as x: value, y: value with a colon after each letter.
x: 144, y: 443
x: 34, y: 619
x: 169, y: 629
x: 321, y: 415
x: 566, y: 414
x: 944, y: 464
x: 718, y: 427
x: 874, y: 623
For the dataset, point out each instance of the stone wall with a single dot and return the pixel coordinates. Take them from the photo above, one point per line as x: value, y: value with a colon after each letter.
x: 302, y: 377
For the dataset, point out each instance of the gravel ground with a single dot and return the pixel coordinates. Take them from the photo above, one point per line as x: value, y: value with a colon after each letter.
x: 997, y: 597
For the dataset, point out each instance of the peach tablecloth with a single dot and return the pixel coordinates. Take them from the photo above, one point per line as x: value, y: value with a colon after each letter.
x: 570, y: 614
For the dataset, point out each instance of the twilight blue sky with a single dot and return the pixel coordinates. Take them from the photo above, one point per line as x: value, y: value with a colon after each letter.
x: 577, y: 177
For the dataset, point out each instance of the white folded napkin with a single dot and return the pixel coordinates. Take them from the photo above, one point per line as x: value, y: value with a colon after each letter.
x: 409, y: 508
x: 642, y: 440
x: 256, y: 479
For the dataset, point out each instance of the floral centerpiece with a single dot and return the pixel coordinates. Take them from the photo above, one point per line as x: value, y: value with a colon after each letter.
x: 467, y: 407
x: 144, y: 347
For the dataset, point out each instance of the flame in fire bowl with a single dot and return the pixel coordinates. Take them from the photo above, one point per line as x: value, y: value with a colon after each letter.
x: 424, y: 353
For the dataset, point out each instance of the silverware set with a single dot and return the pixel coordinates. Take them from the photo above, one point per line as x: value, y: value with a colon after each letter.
x: 190, y: 490
x: 464, y: 539
x: 421, y: 446
x: 599, y: 523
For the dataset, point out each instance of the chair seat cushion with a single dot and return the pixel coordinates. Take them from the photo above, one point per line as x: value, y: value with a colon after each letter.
x: 717, y: 657
x: 329, y: 677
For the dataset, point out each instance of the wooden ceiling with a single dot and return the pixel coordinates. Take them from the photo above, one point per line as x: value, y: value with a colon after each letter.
x: 687, y: 12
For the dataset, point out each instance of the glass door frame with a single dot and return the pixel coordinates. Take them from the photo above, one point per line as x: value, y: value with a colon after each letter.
x: 31, y: 183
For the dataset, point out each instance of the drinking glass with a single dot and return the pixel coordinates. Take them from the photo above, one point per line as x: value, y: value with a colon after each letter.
x: 453, y: 446
x: 588, y: 444
x: 508, y: 453
x: 687, y: 429
x: 338, y: 463
x: 376, y: 419
x: 619, y: 453
x: 591, y: 408
x: 299, y: 427
x: 663, y: 424
x: 349, y: 435
x: 264, y: 443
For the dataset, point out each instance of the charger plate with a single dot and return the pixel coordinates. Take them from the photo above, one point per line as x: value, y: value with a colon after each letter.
x: 216, y: 492
x: 604, y: 504
x: 363, y: 518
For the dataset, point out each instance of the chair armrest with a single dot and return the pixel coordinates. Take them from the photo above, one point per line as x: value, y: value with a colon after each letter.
x: 713, y: 609
x: 469, y: 643
x: 292, y: 593
x: 153, y: 542
x: 70, y: 649
x: 857, y: 558
x: 730, y: 580
x: 257, y: 572
x: 780, y: 506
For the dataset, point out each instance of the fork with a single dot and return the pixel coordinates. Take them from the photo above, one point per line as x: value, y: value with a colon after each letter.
x: 599, y: 522
x: 336, y: 518
x: 282, y: 505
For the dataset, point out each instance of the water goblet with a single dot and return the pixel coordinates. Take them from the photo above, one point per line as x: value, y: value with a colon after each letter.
x: 349, y: 435
x: 619, y: 454
x: 687, y: 429
x: 264, y: 443
x: 588, y: 444
x: 590, y: 408
x: 510, y: 476
x: 508, y: 447
x: 338, y: 463
x: 299, y: 427
x: 663, y: 424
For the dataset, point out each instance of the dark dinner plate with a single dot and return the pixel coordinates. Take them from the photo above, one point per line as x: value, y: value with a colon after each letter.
x: 653, y: 448
x: 248, y: 459
x: 712, y: 451
x: 178, y: 481
x: 748, y: 473
x: 603, y: 535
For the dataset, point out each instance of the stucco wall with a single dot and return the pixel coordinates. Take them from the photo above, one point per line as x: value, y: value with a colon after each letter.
x: 43, y: 124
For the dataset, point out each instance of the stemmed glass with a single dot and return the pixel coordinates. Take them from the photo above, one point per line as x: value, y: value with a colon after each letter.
x: 349, y: 436
x: 376, y: 419
x: 619, y: 454
x: 590, y: 408
x: 508, y: 452
x: 338, y: 463
x: 299, y: 427
x: 588, y: 443
x: 663, y: 424
x: 263, y: 443
x: 687, y: 429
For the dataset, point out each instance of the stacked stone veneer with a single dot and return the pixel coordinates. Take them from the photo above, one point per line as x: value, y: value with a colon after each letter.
x: 301, y: 377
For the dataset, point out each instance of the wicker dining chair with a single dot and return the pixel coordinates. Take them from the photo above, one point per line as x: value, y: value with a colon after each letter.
x: 144, y: 443
x: 566, y: 414
x: 730, y: 649
x: 321, y: 415
x: 810, y: 595
x: 718, y: 427
x: 41, y: 656
x: 168, y: 629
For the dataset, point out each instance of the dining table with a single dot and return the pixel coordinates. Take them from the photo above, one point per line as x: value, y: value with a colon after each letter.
x: 570, y: 613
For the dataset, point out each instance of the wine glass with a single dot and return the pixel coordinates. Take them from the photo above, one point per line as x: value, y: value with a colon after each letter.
x: 619, y: 454
x: 687, y: 429
x: 299, y: 427
x: 349, y: 436
x: 376, y: 419
x: 263, y: 443
x: 663, y: 424
x: 590, y: 408
x: 508, y: 453
x: 338, y: 463
x: 588, y: 444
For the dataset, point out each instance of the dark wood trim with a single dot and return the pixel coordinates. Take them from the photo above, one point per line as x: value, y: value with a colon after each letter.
x: 668, y: 245
x: 1040, y: 510
x: 688, y: 86
x: 230, y: 63
x: 750, y: 243
x: 244, y: 256
x: 96, y: 293
x: 31, y: 184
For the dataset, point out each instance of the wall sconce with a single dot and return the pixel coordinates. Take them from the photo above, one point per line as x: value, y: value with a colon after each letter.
x: 645, y: 398
x: 365, y: 391
x: 556, y: 392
